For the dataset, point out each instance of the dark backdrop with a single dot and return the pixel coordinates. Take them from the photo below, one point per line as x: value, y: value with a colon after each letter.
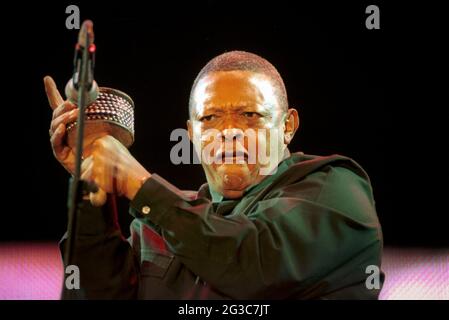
x: 356, y: 91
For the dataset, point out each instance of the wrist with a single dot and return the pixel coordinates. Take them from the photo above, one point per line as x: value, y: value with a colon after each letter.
x: 137, y: 184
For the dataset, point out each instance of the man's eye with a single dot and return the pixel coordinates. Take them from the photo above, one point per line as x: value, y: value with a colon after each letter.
x: 207, y: 118
x: 250, y: 114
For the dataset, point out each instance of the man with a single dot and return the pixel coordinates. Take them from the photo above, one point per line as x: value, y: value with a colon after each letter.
x: 295, y: 226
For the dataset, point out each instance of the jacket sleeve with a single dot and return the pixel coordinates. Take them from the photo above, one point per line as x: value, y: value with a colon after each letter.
x: 106, y: 263
x: 303, y: 240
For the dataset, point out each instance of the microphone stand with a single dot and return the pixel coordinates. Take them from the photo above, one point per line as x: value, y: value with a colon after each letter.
x: 83, y: 81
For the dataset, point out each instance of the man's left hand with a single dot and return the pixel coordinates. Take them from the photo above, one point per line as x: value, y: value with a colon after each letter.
x: 113, y: 169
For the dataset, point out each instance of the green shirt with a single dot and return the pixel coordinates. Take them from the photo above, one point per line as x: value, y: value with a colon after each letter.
x: 309, y: 231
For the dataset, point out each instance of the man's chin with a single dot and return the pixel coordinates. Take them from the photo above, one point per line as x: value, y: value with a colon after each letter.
x: 231, y: 180
x: 232, y: 194
x: 234, y: 183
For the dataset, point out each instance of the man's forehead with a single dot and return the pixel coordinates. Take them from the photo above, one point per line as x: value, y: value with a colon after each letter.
x: 234, y: 87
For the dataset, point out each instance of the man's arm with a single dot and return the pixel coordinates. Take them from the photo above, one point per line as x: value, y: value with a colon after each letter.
x: 107, y: 265
x: 291, y: 245
x: 105, y: 260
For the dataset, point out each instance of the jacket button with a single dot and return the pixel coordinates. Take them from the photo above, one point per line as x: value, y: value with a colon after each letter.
x: 146, y: 209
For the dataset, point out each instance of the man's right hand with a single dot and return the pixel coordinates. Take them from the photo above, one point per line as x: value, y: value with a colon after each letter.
x: 64, y: 112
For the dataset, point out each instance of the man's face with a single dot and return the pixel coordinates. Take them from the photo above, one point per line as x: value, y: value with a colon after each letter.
x: 225, y: 105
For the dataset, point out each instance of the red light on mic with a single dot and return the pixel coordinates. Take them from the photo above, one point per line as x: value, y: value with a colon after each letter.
x: 92, y: 48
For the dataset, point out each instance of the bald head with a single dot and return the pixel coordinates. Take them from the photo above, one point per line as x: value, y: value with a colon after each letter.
x: 243, y: 61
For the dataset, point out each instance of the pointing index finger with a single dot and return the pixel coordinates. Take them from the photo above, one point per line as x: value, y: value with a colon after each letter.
x: 53, y: 95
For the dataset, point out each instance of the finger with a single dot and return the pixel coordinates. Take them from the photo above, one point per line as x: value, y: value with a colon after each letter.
x: 104, y: 171
x: 86, y: 163
x: 57, y: 141
x: 100, y: 175
x: 86, y: 172
x: 65, y: 119
x: 99, y: 178
x: 53, y: 95
x: 66, y: 106
x: 98, y: 198
x: 87, y: 175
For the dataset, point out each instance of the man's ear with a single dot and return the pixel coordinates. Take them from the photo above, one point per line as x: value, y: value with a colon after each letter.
x: 190, y: 129
x: 291, y: 124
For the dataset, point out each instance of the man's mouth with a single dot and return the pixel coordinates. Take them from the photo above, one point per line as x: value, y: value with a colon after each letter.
x: 232, y: 157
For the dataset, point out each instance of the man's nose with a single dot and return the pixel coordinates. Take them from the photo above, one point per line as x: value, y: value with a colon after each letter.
x: 230, y: 134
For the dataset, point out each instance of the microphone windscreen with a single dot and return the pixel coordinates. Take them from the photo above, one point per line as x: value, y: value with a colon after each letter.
x: 72, y: 94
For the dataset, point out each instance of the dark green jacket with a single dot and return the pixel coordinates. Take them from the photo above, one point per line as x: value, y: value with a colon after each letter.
x: 310, y: 231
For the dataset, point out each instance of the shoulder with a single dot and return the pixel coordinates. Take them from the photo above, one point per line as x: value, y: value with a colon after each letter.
x: 335, y: 182
x: 305, y: 164
x: 335, y: 169
x: 300, y: 166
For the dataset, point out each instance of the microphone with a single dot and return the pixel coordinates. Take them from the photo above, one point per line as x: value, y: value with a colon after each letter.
x: 107, y: 112
x: 85, y: 42
x: 103, y: 111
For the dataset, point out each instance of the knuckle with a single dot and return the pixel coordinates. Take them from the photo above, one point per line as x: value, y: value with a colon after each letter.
x: 96, y: 173
x: 97, y: 145
x: 66, y: 105
x: 63, y: 109
x: 55, y: 113
x: 71, y: 117
x: 109, y: 138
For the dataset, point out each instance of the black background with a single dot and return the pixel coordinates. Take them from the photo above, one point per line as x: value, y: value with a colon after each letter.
x: 361, y: 93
